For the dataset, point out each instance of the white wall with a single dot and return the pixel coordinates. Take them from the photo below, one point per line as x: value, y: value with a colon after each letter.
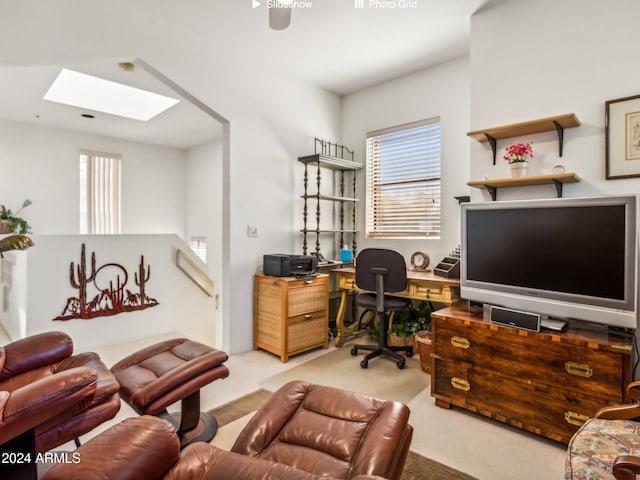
x: 42, y: 164
x: 204, y: 212
x: 182, y: 306
x: 442, y: 92
x: 534, y: 59
x: 273, y: 118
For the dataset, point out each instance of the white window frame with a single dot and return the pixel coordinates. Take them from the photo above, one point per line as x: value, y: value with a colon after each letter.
x: 404, y: 181
x: 100, y: 193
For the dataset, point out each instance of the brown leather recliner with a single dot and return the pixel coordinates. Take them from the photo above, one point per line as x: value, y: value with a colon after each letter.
x: 305, y: 432
x: 44, y: 363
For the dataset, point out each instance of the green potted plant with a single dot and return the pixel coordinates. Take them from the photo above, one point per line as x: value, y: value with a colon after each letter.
x: 11, y: 223
x: 411, y: 320
x: 404, y: 324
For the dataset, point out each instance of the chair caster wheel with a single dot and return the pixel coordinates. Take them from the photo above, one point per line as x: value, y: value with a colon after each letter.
x: 364, y: 364
x: 354, y: 351
x: 400, y: 364
x: 410, y: 353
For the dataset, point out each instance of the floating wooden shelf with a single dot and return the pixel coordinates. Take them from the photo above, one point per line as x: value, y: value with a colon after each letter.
x: 557, y: 179
x: 557, y: 123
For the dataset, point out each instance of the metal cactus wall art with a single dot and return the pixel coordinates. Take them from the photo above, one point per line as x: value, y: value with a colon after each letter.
x: 107, y: 284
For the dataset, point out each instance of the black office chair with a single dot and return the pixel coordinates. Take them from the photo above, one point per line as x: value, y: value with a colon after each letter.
x: 381, y: 270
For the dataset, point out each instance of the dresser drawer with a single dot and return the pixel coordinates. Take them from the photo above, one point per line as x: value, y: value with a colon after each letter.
x: 514, y: 353
x: 305, y: 331
x: 540, y: 408
x: 434, y: 293
x: 307, y: 296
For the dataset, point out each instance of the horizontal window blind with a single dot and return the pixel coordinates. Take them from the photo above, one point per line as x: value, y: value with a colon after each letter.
x: 403, y: 180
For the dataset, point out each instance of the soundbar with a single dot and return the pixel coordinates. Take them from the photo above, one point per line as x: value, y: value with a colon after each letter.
x: 515, y: 318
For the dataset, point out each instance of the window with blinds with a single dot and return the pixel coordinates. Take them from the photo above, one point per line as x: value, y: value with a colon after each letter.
x: 99, y: 193
x: 403, y: 180
x: 199, y: 247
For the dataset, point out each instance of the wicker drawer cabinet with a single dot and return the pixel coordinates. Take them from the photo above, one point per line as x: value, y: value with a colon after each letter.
x: 290, y: 315
x: 546, y: 383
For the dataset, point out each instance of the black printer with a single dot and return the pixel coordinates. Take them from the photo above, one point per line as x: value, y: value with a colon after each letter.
x: 283, y: 265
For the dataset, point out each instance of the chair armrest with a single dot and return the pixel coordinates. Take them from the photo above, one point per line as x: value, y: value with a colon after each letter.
x: 206, y: 462
x: 633, y: 390
x: 619, y: 412
x: 384, y: 449
x: 368, y: 477
x: 138, y: 448
x: 33, y: 352
x: 626, y: 467
x: 33, y: 404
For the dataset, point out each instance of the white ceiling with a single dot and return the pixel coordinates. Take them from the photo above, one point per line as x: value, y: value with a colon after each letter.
x: 332, y: 45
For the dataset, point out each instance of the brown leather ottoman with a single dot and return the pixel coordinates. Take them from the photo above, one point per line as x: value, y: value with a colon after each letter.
x: 157, y: 376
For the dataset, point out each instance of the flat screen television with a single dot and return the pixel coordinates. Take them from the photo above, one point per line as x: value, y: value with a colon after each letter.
x: 566, y: 258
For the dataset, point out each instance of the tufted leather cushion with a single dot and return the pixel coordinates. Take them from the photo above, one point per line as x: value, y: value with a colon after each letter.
x: 328, y: 431
x: 42, y: 362
x: 32, y: 353
x: 157, y: 376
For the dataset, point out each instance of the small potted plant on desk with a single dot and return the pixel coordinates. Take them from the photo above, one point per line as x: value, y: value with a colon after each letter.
x: 11, y: 223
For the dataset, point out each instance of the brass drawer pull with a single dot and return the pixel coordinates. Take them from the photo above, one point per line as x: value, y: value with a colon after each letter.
x: 621, y: 348
x: 460, y: 342
x: 573, y: 418
x: 579, y: 369
x: 460, y: 384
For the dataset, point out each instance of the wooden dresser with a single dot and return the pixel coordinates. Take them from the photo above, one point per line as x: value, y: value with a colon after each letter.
x: 548, y: 383
x: 290, y: 315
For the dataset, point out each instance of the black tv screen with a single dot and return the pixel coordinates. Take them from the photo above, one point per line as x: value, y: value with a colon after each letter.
x: 565, y: 258
x: 577, y: 250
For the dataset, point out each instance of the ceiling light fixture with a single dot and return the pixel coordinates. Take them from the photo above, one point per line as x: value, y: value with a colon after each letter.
x: 93, y: 93
x: 280, y: 14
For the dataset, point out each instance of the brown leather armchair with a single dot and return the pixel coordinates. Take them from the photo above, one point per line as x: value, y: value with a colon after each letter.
x: 44, y: 363
x: 152, y: 451
x: 329, y: 431
x: 305, y: 432
x: 613, y: 429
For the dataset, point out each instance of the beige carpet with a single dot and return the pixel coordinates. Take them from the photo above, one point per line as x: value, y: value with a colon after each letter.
x: 416, y: 467
x: 383, y: 379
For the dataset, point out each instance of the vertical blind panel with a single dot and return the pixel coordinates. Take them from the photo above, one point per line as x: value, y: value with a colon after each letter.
x: 199, y: 247
x: 102, y: 195
x: 403, y: 181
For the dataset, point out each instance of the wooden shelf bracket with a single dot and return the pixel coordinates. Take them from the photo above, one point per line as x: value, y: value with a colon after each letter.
x: 558, y: 185
x: 560, y: 130
x: 493, y: 191
x: 494, y: 145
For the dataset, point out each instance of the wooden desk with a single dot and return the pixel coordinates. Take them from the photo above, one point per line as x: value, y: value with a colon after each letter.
x: 420, y: 286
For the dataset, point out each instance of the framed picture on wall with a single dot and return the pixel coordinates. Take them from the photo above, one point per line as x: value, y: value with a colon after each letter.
x: 622, y: 124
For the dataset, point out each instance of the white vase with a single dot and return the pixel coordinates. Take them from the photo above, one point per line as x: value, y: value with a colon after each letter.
x: 519, y: 169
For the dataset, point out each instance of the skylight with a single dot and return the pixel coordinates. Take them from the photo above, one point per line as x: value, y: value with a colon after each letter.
x: 85, y: 91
